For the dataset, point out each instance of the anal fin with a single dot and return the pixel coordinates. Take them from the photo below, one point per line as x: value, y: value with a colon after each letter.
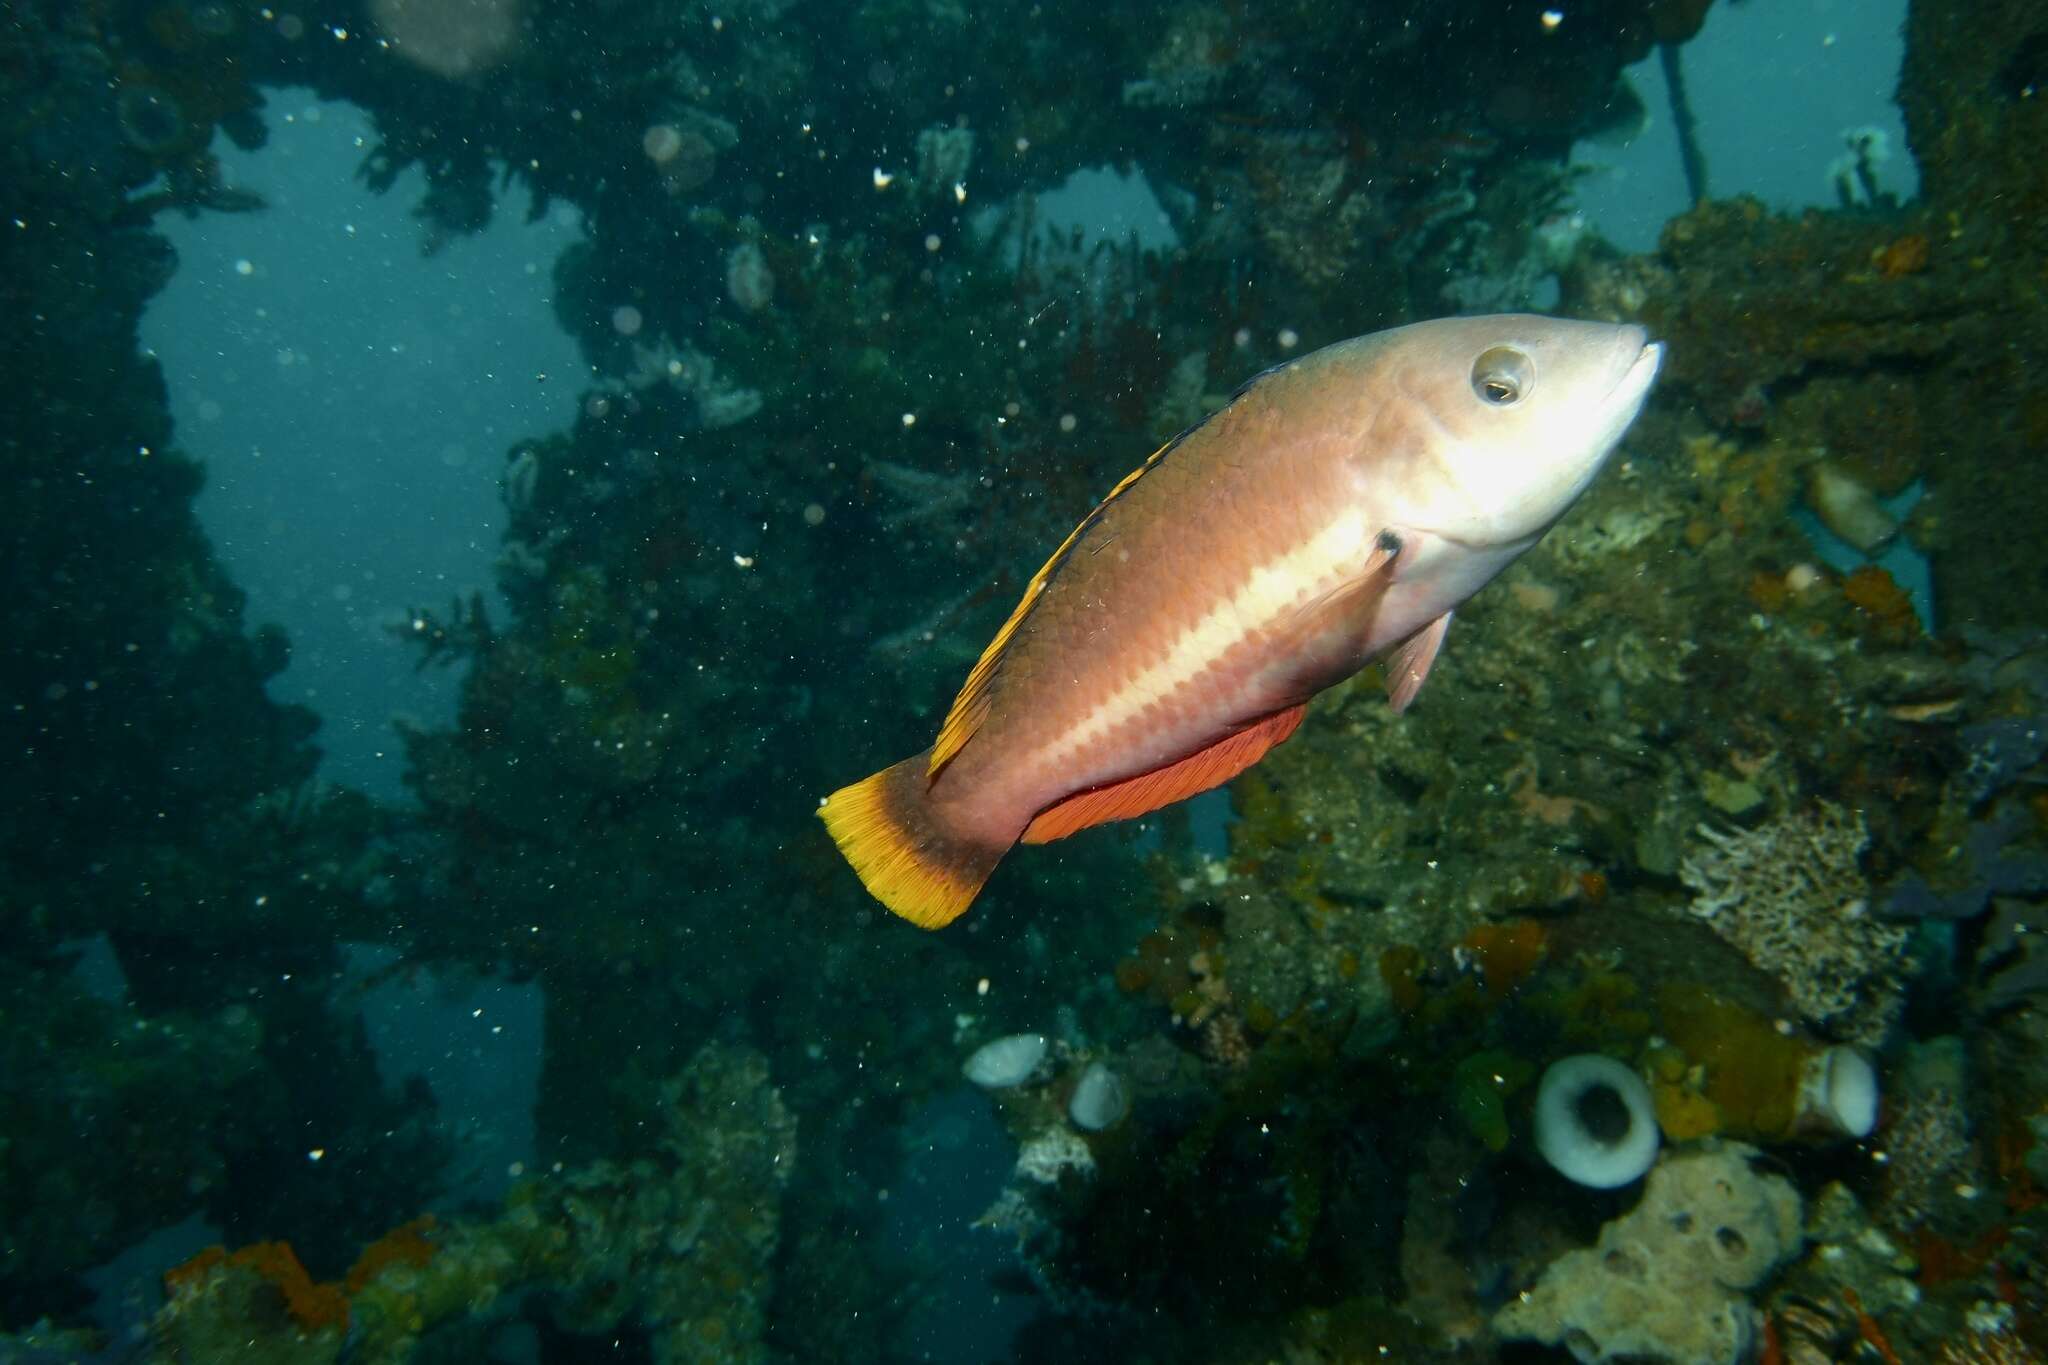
x: 1147, y: 792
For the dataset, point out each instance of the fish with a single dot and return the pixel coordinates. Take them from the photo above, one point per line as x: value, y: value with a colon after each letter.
x: 1338, y: 508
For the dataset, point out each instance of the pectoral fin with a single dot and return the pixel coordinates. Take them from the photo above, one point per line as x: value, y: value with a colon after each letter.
x: 1409, y: 668
x: 1322, y: 637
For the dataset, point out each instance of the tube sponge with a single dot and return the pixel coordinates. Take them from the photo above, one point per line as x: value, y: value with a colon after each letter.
x: 1594, y: 1121
x: 1099, y: 1100
x: 1006, y: 1062
x: 1837, y: 1095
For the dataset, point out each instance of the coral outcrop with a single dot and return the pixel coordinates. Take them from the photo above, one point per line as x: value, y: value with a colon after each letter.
x: 1667, y: 1280
x: 674, y: 1246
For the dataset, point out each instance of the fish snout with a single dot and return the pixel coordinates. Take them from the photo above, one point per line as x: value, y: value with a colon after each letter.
x: 1639, y: 360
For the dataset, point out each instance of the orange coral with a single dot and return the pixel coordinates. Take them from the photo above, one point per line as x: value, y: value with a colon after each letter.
x: 1878, y: 595
x: 314, y: 1307
x: 1774, y: 1350
x: 1867, y: 1328
x: 1505, y: 954
x: 407, y: 1244
x: 1540, y: 806
x: 1684, y: 1114
x: 1943, y: 1262
x: 1752, y: 1071
x: 182, y: 1278
x: 1162, y: 966
x: 1908, y: 255
x: 1682, y: 1111
x: 2015, y: 1141
x: 1401, y: 969
x: 1769, y: 591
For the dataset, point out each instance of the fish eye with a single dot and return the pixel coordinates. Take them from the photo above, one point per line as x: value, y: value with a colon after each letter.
x: 1503, y: 376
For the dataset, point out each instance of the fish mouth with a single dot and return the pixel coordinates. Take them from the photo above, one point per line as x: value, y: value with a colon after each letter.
x: 1638, y: 361
x: 1634, y: 384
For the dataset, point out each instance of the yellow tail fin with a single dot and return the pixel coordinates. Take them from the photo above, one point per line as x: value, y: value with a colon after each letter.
x: 886, y: 828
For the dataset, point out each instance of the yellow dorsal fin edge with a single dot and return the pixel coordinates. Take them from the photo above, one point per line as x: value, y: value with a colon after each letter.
x: 970, y: 708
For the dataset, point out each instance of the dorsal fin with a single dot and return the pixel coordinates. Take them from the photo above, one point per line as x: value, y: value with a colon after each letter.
x: 1242, y: 389
x: 971, y: 707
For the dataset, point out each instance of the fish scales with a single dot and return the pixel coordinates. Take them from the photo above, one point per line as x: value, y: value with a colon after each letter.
x: 1146, y: 642
x: 1338, y: 507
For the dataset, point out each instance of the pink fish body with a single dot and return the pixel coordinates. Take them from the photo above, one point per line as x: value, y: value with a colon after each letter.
x: 1340, y: 506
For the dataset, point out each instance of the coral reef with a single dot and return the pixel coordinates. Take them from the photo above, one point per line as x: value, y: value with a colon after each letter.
x: 1868, y: 332
x: 674, y: 1246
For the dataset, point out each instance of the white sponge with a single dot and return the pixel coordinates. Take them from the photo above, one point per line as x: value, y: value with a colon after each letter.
x: 1837, y: 1095
x: 1594, y: 1121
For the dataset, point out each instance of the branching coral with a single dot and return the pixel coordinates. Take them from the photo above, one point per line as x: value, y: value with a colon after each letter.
x: 720, y: 402
x: 1792, y: 897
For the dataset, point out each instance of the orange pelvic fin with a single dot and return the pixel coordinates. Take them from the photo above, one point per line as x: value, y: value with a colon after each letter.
x: 887, y: 829
x: 1134, y: 796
